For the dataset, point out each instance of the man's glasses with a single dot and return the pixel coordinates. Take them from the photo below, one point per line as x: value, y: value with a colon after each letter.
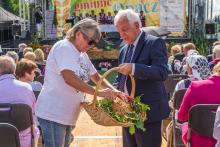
x: 90, y: 42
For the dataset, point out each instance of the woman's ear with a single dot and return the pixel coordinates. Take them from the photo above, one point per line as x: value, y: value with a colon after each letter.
x: 26, y: 74
x: 78, y: 34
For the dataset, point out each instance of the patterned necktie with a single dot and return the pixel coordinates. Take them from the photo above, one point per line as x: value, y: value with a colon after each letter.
x: 127, y: 59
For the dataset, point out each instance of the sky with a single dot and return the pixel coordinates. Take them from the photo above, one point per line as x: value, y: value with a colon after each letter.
x: 216, y: 7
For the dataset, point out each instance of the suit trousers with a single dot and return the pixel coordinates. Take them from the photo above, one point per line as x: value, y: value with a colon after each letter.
x: 149, y: 138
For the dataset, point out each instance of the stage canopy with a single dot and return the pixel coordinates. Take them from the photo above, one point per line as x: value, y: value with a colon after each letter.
x: 6, y: 16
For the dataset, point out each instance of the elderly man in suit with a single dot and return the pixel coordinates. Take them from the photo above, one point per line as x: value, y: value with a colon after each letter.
x: 143, y: 56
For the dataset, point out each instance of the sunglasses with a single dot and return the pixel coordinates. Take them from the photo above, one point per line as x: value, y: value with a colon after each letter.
x: 90, y: 42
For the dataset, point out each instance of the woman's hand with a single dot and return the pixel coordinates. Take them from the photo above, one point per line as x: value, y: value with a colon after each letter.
x: 125, y: 97
x: 109, y: 93
x: 106, y: 93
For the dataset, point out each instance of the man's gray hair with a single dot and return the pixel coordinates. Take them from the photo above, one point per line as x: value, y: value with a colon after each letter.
x: 128, y: 14
x: 7, y: 65
x: 86, y: 25
x: 13, y: 54
x: 22, y: 46
x: 216, y: 50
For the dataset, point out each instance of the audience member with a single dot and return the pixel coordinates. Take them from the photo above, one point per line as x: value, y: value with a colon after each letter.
x: 142, y: 18
x: 27, y: 49
x: 197, y: 69
x: 30, y: 56
x: 87, y: 15
x: 40, y: 60
x: 14, y: 91
x: 172, y: 61
x: 14, y: 55
x: 93, y: 16
x: 25, y: 72
x: 21, y: 47
x: 109, y: 18
x: 209, y: 57
x: 200, y: 92
x: 115, y: 13
x: 215, y: 56
x: 102, y: 17
x: 186, y: 48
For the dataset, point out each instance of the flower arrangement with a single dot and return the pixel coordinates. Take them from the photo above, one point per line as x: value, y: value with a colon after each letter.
x: 105, y: 65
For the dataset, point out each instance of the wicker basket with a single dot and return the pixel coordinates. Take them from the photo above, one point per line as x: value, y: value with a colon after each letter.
x: 98, y: 114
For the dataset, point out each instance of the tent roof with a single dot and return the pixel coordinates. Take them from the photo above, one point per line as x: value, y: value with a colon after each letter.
x: 6, y: 16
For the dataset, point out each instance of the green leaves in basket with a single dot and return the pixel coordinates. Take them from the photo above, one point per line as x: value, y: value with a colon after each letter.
x: 132, y: 129
x: 134, y: 117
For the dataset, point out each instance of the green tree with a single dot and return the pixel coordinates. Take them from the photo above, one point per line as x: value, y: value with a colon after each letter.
x: 11, y: 6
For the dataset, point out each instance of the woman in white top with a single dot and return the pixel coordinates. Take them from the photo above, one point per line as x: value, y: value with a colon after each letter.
x: 67, y: 71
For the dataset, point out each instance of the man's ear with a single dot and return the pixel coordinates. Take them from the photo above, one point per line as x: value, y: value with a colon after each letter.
x: 136, y: 24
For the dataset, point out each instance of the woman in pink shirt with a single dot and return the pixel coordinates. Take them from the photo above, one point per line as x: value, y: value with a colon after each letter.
x: 200, y: 92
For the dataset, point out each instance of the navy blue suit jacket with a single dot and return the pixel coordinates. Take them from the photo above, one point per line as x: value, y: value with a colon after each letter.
x: 150, y: 59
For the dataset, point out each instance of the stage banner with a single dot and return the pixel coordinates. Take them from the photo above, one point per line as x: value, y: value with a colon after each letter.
x: 170, y: 14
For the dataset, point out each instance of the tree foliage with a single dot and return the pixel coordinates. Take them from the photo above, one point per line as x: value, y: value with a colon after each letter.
x: 10, y: 5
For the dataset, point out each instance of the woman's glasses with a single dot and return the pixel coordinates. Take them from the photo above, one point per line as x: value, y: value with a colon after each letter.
x: 89, y: 41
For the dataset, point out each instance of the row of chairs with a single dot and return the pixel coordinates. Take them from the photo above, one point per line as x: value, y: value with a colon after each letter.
x: 195, y: 121
x: 9, y: 136
x: 170, y: 84
x: 203, y: 125
x: 13, y: 119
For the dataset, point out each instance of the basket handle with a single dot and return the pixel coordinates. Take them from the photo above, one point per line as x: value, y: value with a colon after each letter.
x: 98, y: 85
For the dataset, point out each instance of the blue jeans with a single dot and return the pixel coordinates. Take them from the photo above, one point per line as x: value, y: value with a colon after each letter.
x: 55, y: 134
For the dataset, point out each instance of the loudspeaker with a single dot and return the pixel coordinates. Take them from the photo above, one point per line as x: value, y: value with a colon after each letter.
x: 210, y: 28
x: 16, y: 29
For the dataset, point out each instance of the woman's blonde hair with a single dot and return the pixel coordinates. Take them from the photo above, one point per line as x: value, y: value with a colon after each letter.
x: 216, y: 69
x: 27, y: 49
x: 39, y: 54
x: 175, y: 49
x: 30, y: 56
x: 86, y: 25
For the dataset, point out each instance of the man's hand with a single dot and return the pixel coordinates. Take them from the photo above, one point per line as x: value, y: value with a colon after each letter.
x: 125, y: 68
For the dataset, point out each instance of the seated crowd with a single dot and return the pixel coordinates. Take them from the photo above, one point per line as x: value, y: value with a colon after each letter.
x: 17, y: 85
x: 17, y: 73
x: 201, y: 87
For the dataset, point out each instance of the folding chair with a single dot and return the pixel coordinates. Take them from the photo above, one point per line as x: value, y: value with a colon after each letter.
x: 19, y: 115
x: 171, y: 81
x: 203, y: 125
x: 177, y: 100
x: 9, y: 136
x: 40, y: 79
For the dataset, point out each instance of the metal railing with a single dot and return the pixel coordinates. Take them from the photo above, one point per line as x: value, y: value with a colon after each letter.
x: 5, y: 50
